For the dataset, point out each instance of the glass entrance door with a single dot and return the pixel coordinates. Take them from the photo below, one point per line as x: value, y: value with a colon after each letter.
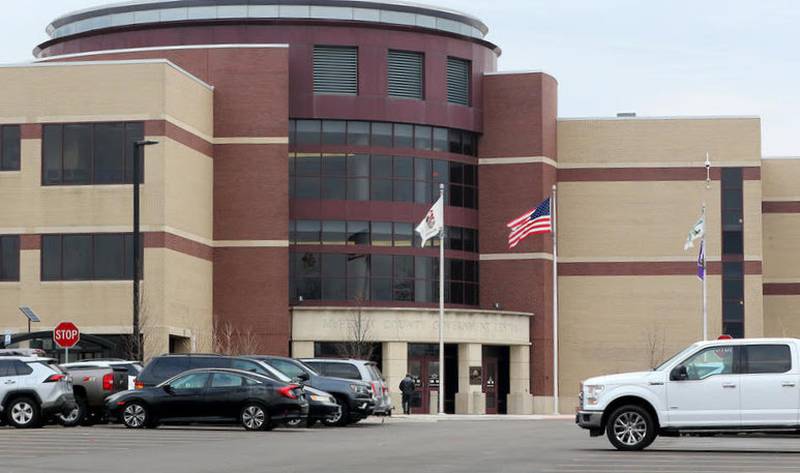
x: 490, y: 387
x: 423, y: 365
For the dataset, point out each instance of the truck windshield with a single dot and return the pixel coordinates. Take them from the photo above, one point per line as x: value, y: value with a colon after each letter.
x: 678, y: 355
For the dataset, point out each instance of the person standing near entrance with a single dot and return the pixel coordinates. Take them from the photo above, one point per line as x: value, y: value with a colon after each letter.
x: 407, y: 387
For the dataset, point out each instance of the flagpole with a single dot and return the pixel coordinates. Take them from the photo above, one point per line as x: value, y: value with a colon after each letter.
x: 705, y: 251
x: 441, y: 305
x: 555, y: 301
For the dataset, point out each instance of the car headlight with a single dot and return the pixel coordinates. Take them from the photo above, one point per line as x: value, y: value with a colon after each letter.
x: 593, y: 392
x: 359, y: 389
x: 317, y: 398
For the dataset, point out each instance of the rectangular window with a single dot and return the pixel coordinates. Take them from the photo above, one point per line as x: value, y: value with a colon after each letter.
x: 731, y: 187
x: 334, y: 132
x: 358, y: 133
x: 336, y: 70
x: 9, y: 258
x: 90, y: 153
x: 10, y: 148
x: 406, y: 74
x: 458, y: 81
x: 761, y: 359
x: 93, y: 257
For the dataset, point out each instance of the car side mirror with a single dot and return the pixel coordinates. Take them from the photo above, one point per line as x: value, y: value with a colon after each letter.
x: 679, y: 373
x: 168, y: 389
x: 303, y: 377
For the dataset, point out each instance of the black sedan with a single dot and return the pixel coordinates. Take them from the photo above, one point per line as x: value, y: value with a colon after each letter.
x: 211, y: 395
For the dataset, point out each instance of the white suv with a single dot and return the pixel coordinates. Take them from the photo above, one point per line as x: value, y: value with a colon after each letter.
x: 33, y: 390
x: 717, y: 386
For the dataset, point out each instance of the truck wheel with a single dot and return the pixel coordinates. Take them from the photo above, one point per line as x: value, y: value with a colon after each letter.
x: 76, y: 416
x: 23, y: 413
x: 631, y: 428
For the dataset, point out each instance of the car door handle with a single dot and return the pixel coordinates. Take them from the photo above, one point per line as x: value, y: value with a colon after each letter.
x: 788, y: 384
x: 728, y: 385
x: 11, y: 382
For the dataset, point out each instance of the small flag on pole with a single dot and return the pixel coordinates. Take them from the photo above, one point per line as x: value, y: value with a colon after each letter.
x: 697, y: 231
x: 701, y: 261
x: 530, y: 223
x: 433, y: 223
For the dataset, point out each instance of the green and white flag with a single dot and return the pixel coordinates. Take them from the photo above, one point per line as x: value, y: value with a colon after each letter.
x: 697, y: 231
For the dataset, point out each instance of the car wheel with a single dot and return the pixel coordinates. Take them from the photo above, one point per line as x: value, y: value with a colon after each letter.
x: 294, y: 423
x: 23, y: 413
x: 76, y: 416
x: 341, y: 418
x: 631, y: 428
x: 254, y: 417
x: 134, y: 415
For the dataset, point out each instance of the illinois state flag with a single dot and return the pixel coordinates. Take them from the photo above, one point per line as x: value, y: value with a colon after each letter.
x: 433, y: 223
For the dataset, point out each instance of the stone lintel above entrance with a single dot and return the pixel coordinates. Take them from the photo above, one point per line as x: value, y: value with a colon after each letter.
x: 412, y: 325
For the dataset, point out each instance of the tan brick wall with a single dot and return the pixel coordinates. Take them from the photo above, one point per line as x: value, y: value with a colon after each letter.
x: 780, y: 177
x: 782, y: 316
x: 604, y: 330
x: 176, y: 299
x: 782, y: 247
x: 676, y: 141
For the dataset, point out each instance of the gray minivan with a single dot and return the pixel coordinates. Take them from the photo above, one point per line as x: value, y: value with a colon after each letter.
x: 360, y: 370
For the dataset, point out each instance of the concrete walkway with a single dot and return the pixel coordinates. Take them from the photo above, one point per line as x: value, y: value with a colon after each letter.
x: 398, y: 418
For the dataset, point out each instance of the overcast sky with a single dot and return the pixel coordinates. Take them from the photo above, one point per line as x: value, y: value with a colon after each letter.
x: 656, y: 58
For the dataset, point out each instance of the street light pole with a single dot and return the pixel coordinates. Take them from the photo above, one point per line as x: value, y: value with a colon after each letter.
x: 138, y: 158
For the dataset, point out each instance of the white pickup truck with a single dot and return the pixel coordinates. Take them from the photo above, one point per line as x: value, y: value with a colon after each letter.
x: 744, y: 385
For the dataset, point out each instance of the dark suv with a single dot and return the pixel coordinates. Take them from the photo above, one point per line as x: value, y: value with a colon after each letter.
x: 163, y: 367
x: 355, y: 397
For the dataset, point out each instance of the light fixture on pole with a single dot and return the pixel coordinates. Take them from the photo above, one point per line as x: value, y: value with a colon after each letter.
x: 138, y: 160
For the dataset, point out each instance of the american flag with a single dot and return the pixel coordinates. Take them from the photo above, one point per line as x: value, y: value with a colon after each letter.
x: 530, y: 223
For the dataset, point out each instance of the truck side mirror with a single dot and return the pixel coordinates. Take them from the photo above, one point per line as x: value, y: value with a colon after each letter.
x: 679, y: 373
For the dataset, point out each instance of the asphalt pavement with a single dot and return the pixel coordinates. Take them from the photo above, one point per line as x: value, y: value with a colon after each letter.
x: 399, y: 445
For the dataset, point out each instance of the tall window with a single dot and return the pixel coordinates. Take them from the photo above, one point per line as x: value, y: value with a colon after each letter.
x: 335, y: 70
x: 406, y: 74
x: 732, y: 252
x: 9, y: 258
x: 9, y: 148
x: 90, y: 153
x: 458, y: 81
x: 95, y: 257
x: 380, y: 277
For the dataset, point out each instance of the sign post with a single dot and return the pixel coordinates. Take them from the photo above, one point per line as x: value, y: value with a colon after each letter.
x: 66, y: 335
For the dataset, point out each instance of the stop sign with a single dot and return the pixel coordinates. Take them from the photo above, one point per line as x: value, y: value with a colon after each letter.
x: 66, y: 335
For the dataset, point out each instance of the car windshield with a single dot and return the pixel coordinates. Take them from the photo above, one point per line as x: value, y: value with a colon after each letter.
x: 678, y: 355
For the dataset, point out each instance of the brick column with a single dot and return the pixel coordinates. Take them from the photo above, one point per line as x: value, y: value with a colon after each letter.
x: 517, y: 171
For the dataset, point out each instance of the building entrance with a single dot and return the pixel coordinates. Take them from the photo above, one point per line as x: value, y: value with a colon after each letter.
x: 423, y: 366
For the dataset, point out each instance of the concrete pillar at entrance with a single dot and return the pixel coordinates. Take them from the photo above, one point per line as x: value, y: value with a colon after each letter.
x: 470, y: 399
x: 395, y: 367
x: 520, y: 400
x: 303, y: 349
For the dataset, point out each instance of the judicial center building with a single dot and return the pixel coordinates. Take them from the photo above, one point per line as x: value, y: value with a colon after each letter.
x: 300, y: 142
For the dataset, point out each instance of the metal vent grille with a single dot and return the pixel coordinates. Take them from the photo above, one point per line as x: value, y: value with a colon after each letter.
x: 335, y: 70
x: 406, y: 74
x: 458, y: 81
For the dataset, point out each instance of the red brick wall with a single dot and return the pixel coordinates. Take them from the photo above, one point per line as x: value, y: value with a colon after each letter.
x: 519, y: 122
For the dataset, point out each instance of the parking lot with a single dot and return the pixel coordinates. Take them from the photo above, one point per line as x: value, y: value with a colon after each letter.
x: 399, y: 445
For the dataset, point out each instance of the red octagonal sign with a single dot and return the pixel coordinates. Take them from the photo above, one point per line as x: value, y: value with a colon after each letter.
x: 66, y: 335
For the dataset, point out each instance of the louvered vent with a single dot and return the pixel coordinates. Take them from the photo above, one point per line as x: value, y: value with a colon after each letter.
x: 406, y: 74
x: 335, y: 70
x: 458, y: 76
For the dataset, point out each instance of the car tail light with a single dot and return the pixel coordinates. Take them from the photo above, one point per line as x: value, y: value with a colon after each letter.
x: 108, y: 382
x: 374, y: 389
x: 385, y: 390
x: 138, y: 384
x: 288, y: 391
x: 54, y: 378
